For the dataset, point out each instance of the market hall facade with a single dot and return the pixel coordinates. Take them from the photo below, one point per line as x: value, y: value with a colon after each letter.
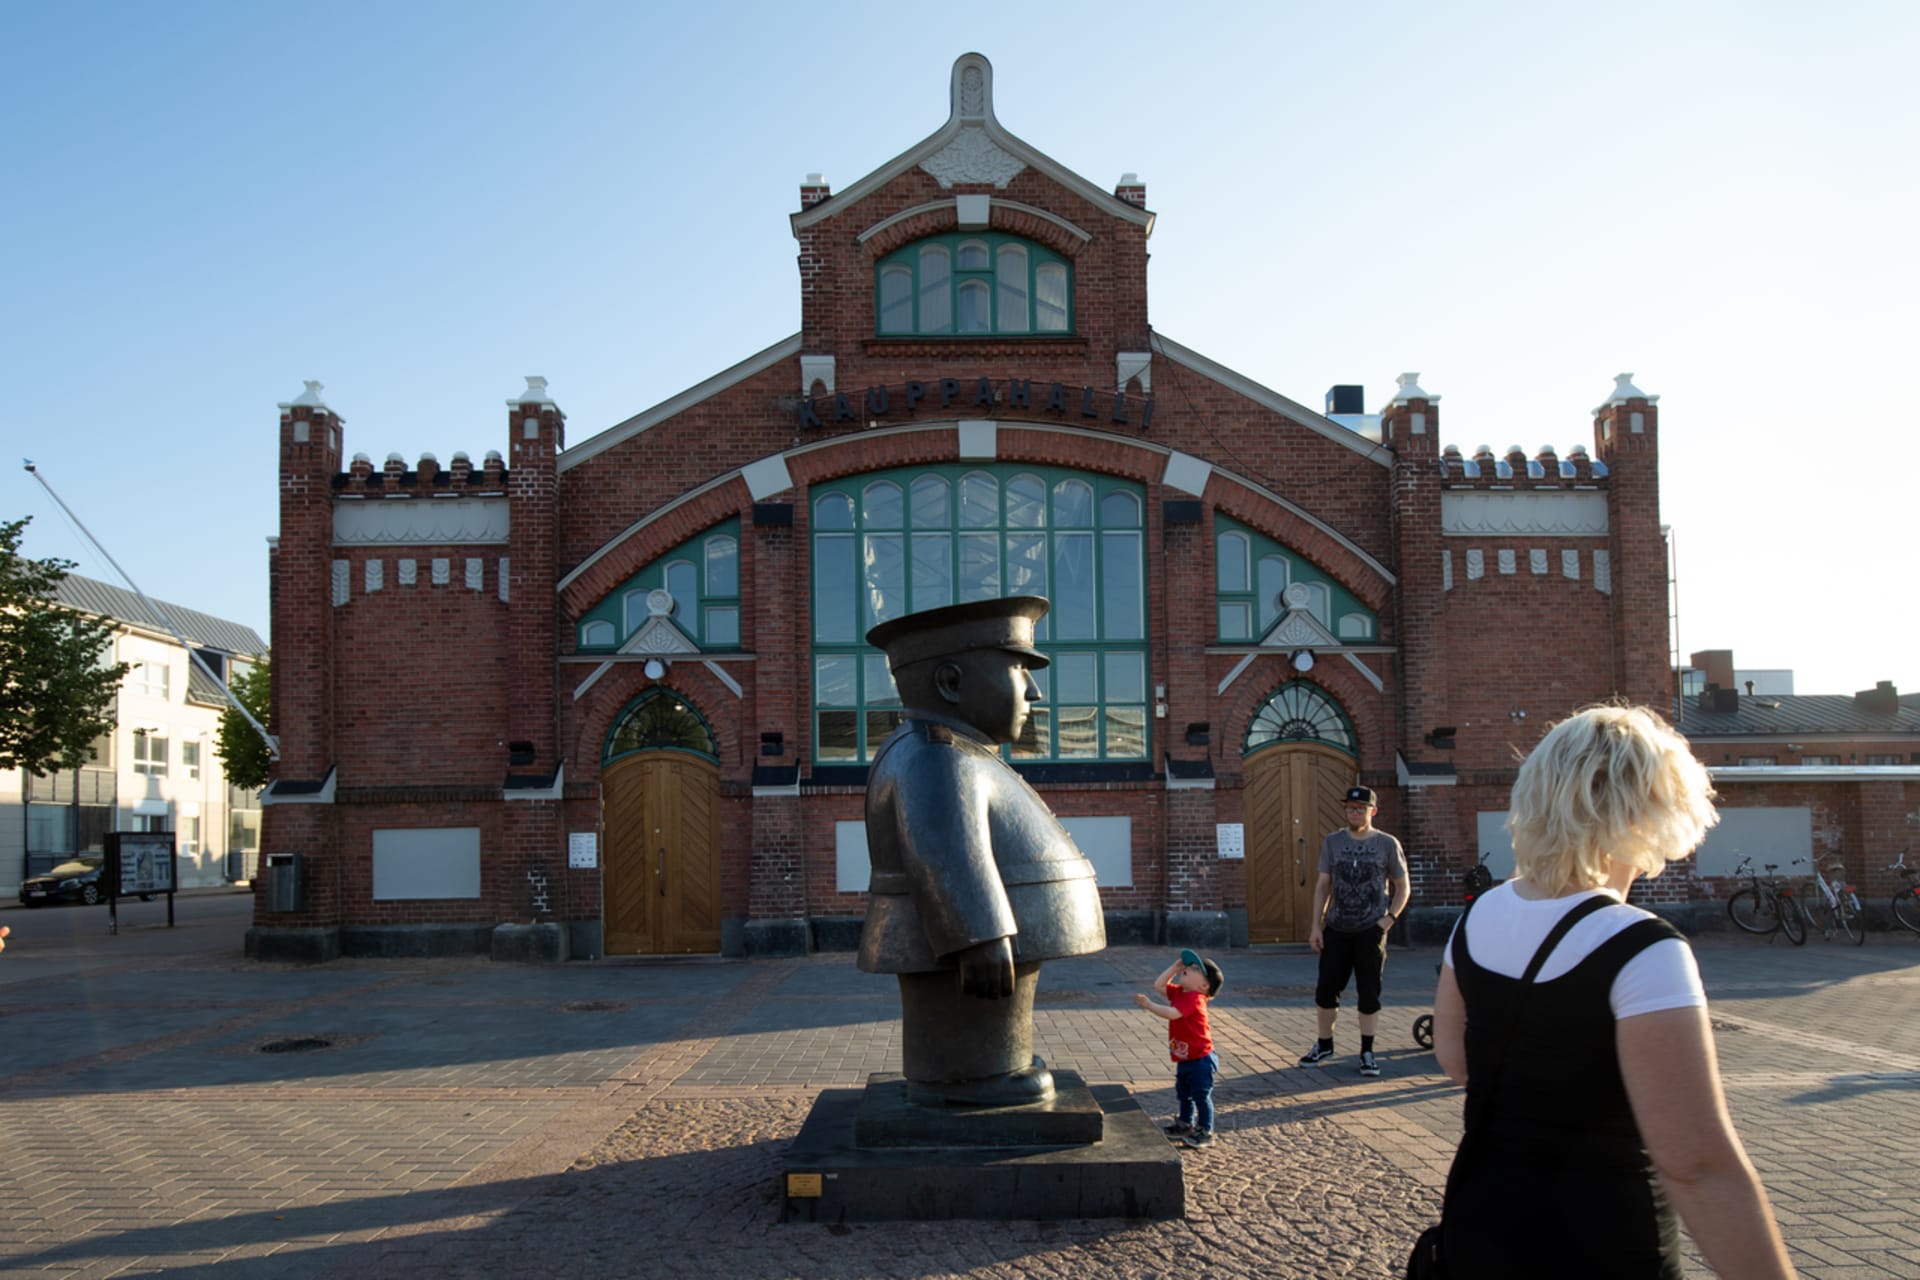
x: 613, y: 696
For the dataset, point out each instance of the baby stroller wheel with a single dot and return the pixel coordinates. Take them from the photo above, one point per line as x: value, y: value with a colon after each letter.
x: 1423, y: 1031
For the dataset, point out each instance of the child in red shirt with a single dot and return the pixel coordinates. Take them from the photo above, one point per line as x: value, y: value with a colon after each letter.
x: 1189, y: 982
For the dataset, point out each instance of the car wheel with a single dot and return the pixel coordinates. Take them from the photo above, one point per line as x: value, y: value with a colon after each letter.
x: 90, y: 894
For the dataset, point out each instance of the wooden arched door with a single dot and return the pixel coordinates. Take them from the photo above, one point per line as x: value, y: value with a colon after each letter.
x: 661, y: 885
x: 1293, y: 800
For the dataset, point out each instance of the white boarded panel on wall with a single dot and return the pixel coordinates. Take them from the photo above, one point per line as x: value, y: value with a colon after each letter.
x: 1766, y: 835
x: 852, y: 869
x: 1108, y: 844
x: 1495, y: 843
x: 426, y: 862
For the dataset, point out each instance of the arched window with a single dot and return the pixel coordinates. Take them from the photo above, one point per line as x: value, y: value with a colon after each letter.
x: 703, y: 577
x: 660, y: 720
x: 973, y: 534
x: 1252, y: 573
x: 973, y: 284
x: 1300, y: 711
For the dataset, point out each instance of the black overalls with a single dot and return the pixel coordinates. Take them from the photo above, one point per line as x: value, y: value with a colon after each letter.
x: 1551, y: 1178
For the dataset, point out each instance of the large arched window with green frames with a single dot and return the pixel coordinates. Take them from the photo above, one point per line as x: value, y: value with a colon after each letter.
x: 1300, y: 711
x: 973, y: 283
x: 891, y: 543
x: 1251, y: 574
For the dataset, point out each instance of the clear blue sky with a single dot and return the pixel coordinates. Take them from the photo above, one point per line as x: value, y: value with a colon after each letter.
x: 419, y: 203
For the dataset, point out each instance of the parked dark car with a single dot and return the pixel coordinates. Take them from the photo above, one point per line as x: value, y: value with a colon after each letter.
x: 76, y: 881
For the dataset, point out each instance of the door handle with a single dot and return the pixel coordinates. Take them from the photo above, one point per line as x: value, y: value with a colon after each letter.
x: 660, y: 871
x: 1300, y: 859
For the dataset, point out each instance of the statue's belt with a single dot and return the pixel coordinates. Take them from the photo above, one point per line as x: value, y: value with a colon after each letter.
x: 1027, y: 873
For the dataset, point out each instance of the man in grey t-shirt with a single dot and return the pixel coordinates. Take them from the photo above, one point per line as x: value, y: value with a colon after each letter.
x: 1362, y: 889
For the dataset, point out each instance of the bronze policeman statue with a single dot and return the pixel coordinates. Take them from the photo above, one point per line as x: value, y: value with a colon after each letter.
x: 975, y: 882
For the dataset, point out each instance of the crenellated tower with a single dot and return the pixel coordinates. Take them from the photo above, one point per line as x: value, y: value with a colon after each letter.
x: 537, y: 432
x: 1626, y: 437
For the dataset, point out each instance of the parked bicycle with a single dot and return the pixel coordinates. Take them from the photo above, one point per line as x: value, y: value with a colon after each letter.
x: 1831, y: 903
x: 1766, y: 906
x: 1906, y: 901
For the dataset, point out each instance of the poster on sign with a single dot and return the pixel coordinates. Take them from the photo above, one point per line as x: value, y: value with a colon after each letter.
x: 139, y: 865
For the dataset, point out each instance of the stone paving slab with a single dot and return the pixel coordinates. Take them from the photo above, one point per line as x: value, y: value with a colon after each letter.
x: 467, y: 1124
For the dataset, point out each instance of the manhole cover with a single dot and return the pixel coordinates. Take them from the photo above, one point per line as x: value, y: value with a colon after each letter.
x: 593, y: 1006
x: 296, y: 1044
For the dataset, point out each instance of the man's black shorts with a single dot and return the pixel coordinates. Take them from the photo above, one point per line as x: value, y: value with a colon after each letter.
x: 1360, y: 956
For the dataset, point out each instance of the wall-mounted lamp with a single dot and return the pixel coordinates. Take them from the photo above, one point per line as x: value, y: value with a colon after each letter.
x: 1303, y: 660
x: 655, y: 668
x: 1516, y: 715
x: 1441, y: 739
x: 773, y: 744
x: 1199, y: 733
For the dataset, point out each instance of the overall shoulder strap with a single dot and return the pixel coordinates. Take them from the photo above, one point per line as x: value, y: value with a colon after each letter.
x: 1560, y: 930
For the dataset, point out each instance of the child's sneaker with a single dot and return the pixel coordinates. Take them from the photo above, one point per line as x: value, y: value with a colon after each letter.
x: 1178, y: 1129
x: 1198, y: 1138
x: 1368, y: 1067
x: 1318, y: 1054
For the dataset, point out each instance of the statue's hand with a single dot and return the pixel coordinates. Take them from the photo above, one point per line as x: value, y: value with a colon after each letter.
x: 986, y: 969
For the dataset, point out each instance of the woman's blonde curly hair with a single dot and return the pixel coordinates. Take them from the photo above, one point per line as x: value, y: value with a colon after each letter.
x: 1609, y: 785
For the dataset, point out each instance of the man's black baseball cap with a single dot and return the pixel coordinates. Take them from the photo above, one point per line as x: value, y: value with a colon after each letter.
x: 1361, y: 795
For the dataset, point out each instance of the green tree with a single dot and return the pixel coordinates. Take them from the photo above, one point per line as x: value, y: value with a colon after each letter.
x: 56, y: 687
x: 242, y: 753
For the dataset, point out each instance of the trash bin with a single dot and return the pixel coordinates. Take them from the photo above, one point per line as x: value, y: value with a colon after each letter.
x: 283, y: 881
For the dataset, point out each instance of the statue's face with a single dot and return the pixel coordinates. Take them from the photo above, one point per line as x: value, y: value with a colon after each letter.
x: 995, y: 691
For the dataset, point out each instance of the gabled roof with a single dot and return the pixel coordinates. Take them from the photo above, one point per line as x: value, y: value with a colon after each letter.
x: 1776, y: 715
x: 202, y: 629
x: 973, y: 146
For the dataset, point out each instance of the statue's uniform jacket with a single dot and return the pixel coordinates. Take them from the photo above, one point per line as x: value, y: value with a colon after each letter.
x: 965, y: 851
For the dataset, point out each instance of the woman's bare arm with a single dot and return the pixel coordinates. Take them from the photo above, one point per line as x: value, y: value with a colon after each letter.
x: 1673, y: 1083
x: 1450, y: 1027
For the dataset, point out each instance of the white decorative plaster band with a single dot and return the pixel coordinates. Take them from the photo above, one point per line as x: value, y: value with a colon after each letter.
x: 1504, y: 515
x: 373, y: 524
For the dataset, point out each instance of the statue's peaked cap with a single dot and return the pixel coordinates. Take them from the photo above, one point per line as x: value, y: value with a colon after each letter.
x: 1003, y: 623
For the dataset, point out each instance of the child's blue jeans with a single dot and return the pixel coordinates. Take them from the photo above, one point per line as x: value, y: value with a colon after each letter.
x: 1193, y: 1086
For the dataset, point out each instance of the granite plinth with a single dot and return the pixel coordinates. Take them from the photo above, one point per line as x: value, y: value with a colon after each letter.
x: 1132, y: 1172
x: 886, y: 1117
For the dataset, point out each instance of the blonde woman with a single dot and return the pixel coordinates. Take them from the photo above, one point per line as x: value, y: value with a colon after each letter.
x: 1594, y: 1107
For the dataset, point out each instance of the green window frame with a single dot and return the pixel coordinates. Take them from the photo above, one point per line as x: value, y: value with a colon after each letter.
x: 889, y: 543
x: 1251, y: 571
x: 972, y: 284
x: 659, y: 720
x: 703, y: 576
x: 1300, y: 711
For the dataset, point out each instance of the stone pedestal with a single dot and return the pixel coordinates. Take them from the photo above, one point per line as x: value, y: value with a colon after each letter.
x: 868, y: 1155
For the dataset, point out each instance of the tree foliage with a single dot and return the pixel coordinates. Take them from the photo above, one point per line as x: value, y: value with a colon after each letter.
x: 242, y: 754
x: 57, y: 690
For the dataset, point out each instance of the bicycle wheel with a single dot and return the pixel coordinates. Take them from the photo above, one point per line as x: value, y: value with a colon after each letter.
x: 1755, y: 913
x: 1793, y: 920
x: 1852, y: 923
x: 1817, y: 914
x: 1906, y: 909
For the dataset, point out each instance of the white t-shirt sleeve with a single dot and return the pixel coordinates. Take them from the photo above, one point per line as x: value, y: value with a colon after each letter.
x: 1664, y: 976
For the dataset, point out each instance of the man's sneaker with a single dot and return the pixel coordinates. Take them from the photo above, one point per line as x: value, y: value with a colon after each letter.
x: 1318, y: 1054
x: 1198, y: 1138
x: 1178, y: 1129
x: 1368, y: 1067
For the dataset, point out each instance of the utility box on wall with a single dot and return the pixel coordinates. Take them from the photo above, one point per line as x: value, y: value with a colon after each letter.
x: 284, y: 877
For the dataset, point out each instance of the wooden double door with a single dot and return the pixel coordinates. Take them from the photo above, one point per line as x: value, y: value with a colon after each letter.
x: 1293, y: 799
x: 661, y: 882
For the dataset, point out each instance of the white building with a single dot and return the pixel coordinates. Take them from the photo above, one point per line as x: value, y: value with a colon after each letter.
x: 157, y: 770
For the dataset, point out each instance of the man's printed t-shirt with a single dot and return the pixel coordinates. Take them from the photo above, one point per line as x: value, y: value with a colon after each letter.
x: 1359, y: 868
x: 1188, y: 1036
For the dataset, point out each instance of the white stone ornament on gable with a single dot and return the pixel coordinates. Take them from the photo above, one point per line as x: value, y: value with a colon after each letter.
x: 476, y: 571
x: 658, y: 634
x: 1298, y: 628
x: 973, y: 157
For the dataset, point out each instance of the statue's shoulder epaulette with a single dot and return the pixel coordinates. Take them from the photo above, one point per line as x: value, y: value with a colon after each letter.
x: 941, y: 734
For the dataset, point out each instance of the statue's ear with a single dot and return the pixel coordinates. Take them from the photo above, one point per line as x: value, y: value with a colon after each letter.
x: 946, y: 681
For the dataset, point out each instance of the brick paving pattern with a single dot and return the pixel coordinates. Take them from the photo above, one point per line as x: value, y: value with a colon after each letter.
x: 628, y: 1118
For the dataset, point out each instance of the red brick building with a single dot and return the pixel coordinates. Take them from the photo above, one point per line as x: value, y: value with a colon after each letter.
x: 643, y: 707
